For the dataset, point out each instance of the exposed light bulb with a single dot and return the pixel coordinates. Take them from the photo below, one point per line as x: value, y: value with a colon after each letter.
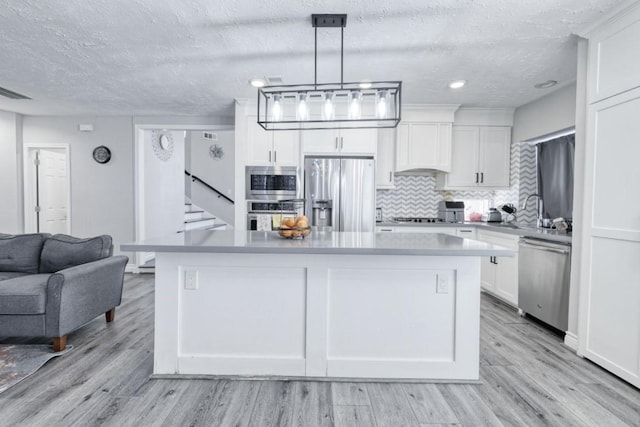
x: 382, y: 104
x: 457, y: 84
x: 276, y: 108
x: 355, y: 105
x: 302, y: 111
x: 328, y: 106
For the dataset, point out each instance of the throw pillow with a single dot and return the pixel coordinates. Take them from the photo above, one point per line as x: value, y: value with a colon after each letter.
x: 21, y: 252
x: 61, y: 251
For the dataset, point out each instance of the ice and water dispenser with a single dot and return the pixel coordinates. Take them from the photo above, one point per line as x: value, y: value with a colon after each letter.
x: 321, y: 214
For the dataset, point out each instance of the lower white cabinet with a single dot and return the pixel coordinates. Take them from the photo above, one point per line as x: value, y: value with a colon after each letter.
x: 499, y: 275
x: 466, y: 232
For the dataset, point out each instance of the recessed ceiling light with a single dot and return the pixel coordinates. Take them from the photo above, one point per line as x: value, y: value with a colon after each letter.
x: 457, y: 84
x: 365, y: 85
x: 545, y: 85
x: 256, y: 82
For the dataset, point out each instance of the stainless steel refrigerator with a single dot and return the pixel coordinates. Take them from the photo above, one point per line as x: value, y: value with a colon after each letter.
x: 340, y: 193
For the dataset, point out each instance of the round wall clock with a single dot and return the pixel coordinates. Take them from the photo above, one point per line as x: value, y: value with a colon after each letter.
x: 162, y: 143
x: 101, y: 154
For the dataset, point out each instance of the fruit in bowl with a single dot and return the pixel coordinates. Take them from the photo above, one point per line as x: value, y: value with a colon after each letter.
x: 292, y: 228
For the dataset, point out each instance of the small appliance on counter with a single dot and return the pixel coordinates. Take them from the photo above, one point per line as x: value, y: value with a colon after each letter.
x: 378, y: 214
x: 451, y: 211
x: 492, y: 216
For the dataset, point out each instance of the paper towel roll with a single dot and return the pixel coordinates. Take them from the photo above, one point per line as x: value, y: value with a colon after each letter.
x: 263, y: 222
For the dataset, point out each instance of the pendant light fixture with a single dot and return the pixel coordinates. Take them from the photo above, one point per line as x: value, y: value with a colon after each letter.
x: 365, y: 104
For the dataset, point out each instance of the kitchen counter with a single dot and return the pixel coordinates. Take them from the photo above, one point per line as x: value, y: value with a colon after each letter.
x: 523, y: 230
x: 329, y: 243
x: 334, y: 305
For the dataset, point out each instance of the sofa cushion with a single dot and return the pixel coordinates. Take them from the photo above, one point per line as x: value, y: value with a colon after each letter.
x: 6, y: 275
x: 61, y: 251
x: 21, y: 252
x: 24, y: 295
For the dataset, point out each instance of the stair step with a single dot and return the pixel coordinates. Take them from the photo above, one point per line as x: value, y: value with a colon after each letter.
x: 193, y: 215
x: 199, y: 223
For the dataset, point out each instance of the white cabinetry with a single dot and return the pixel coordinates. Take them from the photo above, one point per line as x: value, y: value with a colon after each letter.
x: 385, y: 157
x: 609, y: 321
x: 466, y: 232
x: 499, y: 275
x: 480, y: 157
x: 421, y: 145
x: 333, y: 141
x: 418, y: 229
x: 271, y: 147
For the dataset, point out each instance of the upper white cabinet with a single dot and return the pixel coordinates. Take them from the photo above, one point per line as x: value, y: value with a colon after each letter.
x: 385, y: 158
x: 271, y: 147
x: 614, y: 65
x: 480, y: 157
x: 334, y: 141
x: 422, y: 145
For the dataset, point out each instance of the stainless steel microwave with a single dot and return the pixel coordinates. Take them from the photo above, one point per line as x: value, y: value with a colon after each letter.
x: 272, y: 182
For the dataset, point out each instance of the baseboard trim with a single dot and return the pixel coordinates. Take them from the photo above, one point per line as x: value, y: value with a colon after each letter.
x: 571, y: 341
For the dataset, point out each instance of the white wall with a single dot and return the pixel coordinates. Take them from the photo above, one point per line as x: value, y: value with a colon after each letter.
x: 219, y: 173
x: 164, y: 188
x: 10, y: 172
x: 102, y: 195
x: 552, y: 113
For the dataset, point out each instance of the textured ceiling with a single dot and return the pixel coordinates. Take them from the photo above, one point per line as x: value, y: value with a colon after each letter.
x: 193, y: 57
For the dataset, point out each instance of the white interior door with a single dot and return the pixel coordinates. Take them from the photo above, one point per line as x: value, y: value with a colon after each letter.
x: 53, y: 199
x: 47, y: 198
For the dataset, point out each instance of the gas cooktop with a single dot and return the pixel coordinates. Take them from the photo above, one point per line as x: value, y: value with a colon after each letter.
x: 414, y: 219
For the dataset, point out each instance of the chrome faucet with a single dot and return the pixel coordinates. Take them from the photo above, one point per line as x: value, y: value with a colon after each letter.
x: 539, y: 221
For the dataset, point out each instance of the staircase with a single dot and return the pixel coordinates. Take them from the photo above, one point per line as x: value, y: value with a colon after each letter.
x: 196, y: 218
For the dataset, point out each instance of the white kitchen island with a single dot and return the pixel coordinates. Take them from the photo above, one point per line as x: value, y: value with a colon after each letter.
x: 336, y: 304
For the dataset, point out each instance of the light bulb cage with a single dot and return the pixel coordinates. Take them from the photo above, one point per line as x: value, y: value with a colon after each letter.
x: 316, y: 94
x: 315, y: 97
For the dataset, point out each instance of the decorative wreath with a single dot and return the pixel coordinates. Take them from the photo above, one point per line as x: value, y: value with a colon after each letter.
x: 216, y: 152
x: 162, y: 143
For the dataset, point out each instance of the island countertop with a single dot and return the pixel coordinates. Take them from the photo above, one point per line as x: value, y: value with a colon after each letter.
x: 328, y: 243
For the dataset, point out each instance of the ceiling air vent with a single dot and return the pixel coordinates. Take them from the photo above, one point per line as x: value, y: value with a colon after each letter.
x: 274, y: 80
x: 10, y: 94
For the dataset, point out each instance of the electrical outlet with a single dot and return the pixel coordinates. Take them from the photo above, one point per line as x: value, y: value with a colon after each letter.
x: 442, y: 284
x: 191, y: 280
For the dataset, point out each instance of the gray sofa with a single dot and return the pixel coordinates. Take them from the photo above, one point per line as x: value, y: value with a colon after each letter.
x: 52, y: 285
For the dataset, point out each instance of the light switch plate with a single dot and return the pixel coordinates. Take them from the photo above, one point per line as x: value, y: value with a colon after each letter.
x: 191, y: 280
x: 443, y: 282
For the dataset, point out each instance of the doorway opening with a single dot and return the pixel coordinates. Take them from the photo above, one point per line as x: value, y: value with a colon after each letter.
x: 47, y: 188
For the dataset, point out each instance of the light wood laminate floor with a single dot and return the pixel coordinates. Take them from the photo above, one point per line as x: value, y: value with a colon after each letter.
x: 528, y: 376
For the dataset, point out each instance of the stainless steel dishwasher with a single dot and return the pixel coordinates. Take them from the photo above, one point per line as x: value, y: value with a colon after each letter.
x: 544, y: 269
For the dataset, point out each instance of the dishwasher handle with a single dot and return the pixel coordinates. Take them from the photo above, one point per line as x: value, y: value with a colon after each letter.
x: 528, y: 244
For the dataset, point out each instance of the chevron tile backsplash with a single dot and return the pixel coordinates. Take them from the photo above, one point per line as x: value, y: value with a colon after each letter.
x: 417, y: 195
x: 528, y: 182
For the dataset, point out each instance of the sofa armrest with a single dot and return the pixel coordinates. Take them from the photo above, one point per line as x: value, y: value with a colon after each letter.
x: 78, y: 294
